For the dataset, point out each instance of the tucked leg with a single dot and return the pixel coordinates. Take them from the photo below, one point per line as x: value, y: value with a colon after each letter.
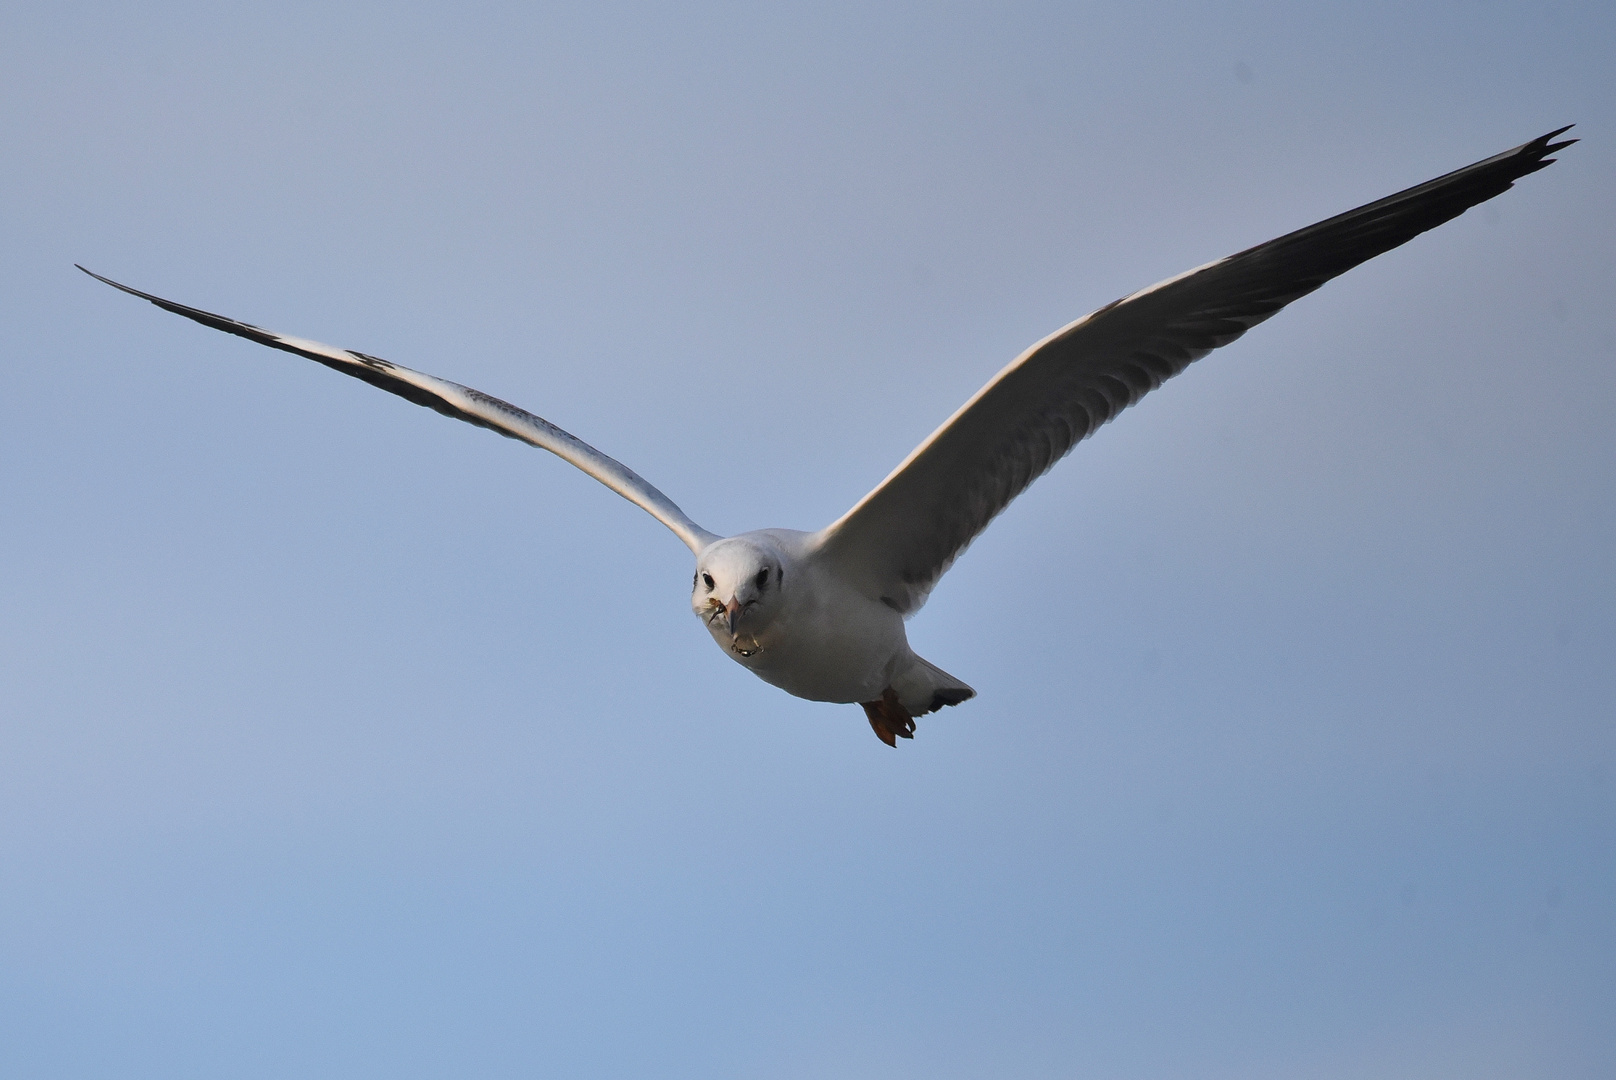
x: 890, y: 720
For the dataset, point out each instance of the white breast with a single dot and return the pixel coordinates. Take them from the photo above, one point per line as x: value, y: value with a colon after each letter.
x: 829, y: 642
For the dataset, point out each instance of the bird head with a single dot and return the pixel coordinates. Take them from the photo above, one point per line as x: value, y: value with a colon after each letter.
x: 737, y: 591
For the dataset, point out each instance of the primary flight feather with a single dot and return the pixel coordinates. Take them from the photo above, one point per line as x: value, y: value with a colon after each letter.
x: 821, y: 615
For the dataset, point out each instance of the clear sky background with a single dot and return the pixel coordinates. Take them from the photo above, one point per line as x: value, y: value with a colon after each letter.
x: 341, y: 740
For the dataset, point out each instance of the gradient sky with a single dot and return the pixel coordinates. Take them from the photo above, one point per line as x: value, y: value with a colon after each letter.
x: 341, y: 740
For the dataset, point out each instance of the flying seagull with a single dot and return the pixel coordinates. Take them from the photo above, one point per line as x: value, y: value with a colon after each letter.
x: 821, y: 614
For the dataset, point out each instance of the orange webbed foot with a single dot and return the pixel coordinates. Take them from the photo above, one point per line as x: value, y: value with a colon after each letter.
x: 889, y: 719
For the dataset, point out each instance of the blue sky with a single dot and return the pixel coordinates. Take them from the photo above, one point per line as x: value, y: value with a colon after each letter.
x: 340, y: 740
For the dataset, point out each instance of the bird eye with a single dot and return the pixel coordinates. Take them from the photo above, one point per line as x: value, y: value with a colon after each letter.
x: 763, y: 577
x: 707, y: 580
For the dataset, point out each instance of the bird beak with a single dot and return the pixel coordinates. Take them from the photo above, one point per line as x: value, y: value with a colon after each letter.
x: 733, y: 610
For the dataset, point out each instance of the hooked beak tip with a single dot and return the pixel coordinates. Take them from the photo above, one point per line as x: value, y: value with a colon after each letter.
x: 733, y: 611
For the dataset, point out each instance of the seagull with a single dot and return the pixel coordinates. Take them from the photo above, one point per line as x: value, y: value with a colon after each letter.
x: 821, y: 614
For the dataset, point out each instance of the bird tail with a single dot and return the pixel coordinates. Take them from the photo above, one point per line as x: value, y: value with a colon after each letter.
x: 925, y: 688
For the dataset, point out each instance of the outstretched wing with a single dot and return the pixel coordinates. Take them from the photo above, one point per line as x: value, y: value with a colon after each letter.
x: 902, y: 536
x: 462, y: 403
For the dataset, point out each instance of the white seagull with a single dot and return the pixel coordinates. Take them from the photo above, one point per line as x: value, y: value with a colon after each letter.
x: 821, y: 614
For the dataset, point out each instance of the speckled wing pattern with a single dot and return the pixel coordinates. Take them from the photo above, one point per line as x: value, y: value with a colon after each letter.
x: 901, y: 537
x: 462, y: 403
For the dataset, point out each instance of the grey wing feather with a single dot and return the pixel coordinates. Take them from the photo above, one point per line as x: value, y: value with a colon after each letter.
x: 462, y: 403
x: 901, y: 537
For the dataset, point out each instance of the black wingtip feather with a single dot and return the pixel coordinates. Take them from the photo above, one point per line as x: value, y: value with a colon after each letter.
x: 1541, y: 146
x: 1535, y: 152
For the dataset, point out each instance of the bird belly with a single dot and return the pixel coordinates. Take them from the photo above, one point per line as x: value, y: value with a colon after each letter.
x: 842, y: 649
x: 826, y: 674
